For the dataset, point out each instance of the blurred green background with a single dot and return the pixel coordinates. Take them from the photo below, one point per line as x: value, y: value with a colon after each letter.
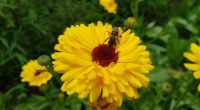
x: 30, y: 28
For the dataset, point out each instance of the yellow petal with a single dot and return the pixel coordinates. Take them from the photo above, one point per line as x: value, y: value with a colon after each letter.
x: 76, y: 72
x: 72, y: 84
x: 95, y: 93
x: 105, y: 92
x: 113, y: 78
x: 64, y: 87
x: 132, y: 66
x: 70, y: 73
x: 193, y: 67
x: 134, y: 81
x: 132, y: 93
x: 106, y: 77
x: 195, y: 48
x: 101, y: 33
x: 119, y: 68
x: 199, y: 87
x: 129, y: 46
x: 112, y: 88
x: 70, y: 92
x: 74, y: 60
x: 142, y: 78
x: 92, y: 84
x: 92, y: 75
x: 83, y: 94
x: 136, y: 94
x: 196, y: 74
x: 118, y: 99
x: 123, y: 80
x: 190, y: 56
x: 80, y: 88
x: 61, y: 68
x: 120, y: 87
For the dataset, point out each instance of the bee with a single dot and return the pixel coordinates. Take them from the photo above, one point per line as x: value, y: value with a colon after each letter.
x: 114, y: 37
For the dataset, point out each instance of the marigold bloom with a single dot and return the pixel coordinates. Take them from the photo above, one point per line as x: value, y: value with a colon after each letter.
x: 35, y: 74
x: 92, y: 68
x: 109, y: 5
x: 193, y: 56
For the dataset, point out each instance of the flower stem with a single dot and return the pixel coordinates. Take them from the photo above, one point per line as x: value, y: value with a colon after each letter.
x: 182, y: 95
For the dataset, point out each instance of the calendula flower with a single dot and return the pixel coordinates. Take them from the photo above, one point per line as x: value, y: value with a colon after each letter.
x: 95, y: 67
x: 35, y: 74
x: 130, y: 21
x: 109, y: 5
x: 193, y: 56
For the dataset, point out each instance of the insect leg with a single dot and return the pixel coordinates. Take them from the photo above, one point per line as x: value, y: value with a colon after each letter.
x: 107, y: 38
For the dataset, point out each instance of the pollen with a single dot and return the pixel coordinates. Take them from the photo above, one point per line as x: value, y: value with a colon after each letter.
x: 104, y: 55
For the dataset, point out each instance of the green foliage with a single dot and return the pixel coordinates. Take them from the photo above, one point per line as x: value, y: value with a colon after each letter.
x: 29, y: 28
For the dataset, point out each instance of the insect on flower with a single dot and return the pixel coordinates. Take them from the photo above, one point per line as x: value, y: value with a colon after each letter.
x: 114, y: 37
x: 98, y: 74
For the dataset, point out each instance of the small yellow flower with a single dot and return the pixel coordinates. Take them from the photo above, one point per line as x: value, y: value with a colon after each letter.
x: 35, y: 74
x: 130, y: 21
x: 194, y: 57
x: 94, y: 69
x: 109, y: 5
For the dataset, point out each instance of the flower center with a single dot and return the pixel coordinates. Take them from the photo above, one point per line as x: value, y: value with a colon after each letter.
x: 104, y: 55
x: 37, y: 73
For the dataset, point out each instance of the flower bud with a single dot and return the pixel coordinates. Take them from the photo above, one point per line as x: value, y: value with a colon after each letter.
x: 167, y: 87
x: 43, y: 60
x: 130, y: 21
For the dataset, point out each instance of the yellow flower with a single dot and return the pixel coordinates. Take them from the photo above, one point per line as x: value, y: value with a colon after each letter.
x: 35, y: 74
x: 130, y: 21
x: 94, y: 68
x: 193, y: 56
x: 109, y: 5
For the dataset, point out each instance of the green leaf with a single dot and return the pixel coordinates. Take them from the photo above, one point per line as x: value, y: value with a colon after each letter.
x: 154, y: 31
x: 190, y: 27
x: 193, y: 101
x: 175, y: 49
x: 22, y: 59
x: 159, y: 74
x: 4, y: 42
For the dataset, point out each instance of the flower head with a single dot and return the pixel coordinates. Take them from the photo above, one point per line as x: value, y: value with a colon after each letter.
x: 109, y: 5
x: 96, y: 70
x: 193, y: 56
x: 35, y: 74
